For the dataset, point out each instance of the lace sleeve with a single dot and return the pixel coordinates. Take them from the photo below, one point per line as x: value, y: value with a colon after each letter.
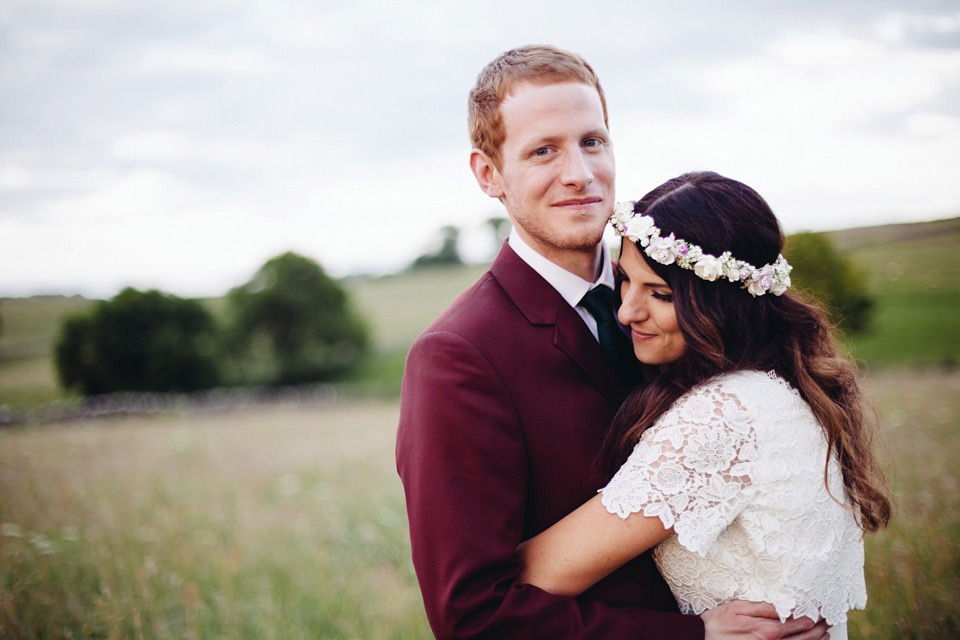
x: 692, y: 468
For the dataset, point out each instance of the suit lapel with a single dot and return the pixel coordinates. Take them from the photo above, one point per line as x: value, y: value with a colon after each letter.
x: 574, y: 339
x: 542, y: 305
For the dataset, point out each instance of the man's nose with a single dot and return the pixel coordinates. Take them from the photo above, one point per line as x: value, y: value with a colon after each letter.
x: 576, y: 170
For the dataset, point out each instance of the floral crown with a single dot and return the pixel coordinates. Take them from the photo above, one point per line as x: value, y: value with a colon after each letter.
x: 774, y: 278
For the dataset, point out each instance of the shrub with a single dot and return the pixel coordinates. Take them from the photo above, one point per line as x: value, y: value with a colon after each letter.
x: 138, y: 341
x: 292, y: 323
x: 831, y: 278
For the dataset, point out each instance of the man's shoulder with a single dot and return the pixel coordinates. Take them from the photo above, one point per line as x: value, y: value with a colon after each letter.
x: 480, y: 303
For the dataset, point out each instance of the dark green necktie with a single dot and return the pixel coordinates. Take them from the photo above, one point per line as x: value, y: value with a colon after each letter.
x: 615, y: 344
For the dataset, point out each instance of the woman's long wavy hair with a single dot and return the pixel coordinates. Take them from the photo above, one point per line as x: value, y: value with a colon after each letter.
x: 726, y: 329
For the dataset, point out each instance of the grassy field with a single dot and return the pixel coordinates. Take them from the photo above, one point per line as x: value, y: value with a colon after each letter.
x: 282, y: 522
x: 915, y: 279
x: 287, y: 522
x: 30, y: 325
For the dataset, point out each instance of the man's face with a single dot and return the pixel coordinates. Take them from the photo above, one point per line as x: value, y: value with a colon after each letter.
x: 557, y: 173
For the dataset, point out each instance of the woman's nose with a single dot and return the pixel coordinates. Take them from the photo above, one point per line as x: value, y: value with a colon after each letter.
x: 631, y: 309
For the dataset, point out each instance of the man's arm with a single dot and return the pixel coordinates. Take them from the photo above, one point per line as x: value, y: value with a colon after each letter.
x: 462, y: 458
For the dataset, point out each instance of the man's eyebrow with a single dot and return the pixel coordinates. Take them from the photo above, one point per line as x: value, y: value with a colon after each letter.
x: 596, y: 133
x: 536, y: 143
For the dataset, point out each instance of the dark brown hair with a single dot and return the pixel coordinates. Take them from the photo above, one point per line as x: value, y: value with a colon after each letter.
x: 534, y: 64
x: 726, y: 329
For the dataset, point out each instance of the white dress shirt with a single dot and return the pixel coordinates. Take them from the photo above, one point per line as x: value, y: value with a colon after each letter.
x: 569, y: 285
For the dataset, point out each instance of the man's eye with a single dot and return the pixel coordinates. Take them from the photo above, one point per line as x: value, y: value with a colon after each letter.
x: 542, y: 151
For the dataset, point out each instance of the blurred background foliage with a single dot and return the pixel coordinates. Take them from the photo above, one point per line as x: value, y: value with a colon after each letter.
x: 138, y: 341
x: 831, y: 278
x: 290, y: 324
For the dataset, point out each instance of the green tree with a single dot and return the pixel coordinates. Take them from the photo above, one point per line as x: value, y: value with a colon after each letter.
x: 447, y: 254
x: 292, y: 323
x: 831, y: 278
x: 138, y: 341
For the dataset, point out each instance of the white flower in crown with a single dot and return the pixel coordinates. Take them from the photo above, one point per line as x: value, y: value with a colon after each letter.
x: 639, y: 229
x: 781, y: 276
x: 663, y: 250
x: 642, y: 229
x: 708, y: 268
x: 622, y: 212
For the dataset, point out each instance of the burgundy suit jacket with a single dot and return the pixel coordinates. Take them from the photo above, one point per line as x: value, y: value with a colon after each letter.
x: 506, y: 400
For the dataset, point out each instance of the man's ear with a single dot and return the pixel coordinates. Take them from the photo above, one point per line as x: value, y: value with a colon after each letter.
x: 486, y: 174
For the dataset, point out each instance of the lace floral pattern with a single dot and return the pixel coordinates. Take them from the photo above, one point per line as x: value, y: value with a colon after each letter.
x: 736, y: 468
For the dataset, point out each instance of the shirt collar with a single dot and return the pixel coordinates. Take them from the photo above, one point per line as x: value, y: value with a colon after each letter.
x: 570, y: 286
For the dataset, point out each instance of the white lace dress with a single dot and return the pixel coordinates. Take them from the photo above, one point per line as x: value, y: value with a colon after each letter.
x: 736, y: 468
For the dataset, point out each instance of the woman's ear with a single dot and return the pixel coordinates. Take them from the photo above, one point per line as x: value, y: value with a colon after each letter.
x: 487, y: 175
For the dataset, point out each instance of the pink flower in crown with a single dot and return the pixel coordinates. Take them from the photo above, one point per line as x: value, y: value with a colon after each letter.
x: 663, y: 250
x: 761, y: 282
x: 738, y: 274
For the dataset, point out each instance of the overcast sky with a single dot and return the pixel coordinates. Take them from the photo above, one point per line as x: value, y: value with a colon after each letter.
x: 179, y: 145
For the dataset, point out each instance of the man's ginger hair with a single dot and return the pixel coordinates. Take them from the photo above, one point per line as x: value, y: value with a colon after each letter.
x: 534, y: 64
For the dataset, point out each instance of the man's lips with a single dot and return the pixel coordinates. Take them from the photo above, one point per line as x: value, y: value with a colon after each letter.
x: 577, y: 202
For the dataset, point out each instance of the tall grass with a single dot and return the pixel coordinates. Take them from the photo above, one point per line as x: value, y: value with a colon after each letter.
x: 913, y: 567
x: 273, y: 523
x: 288, y: 522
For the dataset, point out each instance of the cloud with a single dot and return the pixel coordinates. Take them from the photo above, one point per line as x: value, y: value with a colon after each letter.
x: 835, y: 128
x: 931, y: 30
x: 181, y: 145
x: 831, y: 80
x: 932, y: 125
x: 171, y: 58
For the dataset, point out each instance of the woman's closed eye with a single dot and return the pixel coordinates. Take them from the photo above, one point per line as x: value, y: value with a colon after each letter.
x: 662, y: 295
